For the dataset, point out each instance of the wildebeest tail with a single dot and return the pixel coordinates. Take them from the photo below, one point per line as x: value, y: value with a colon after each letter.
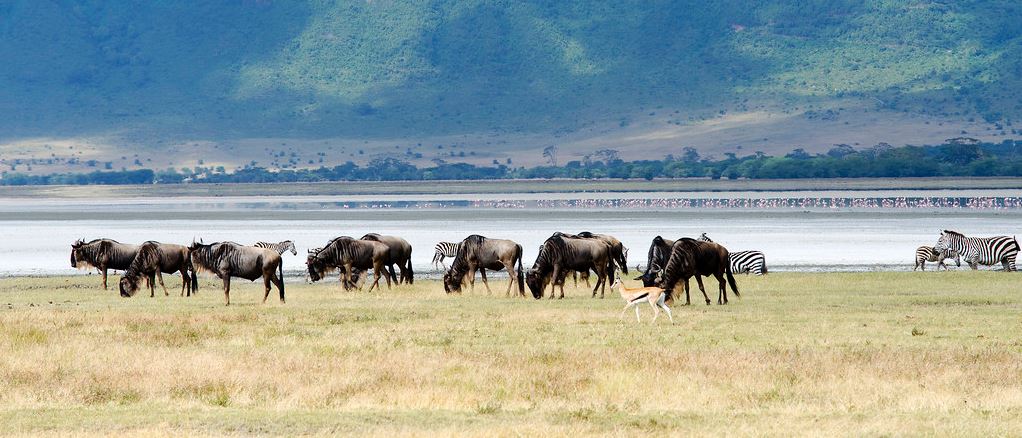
x: 610, y: 270
x: 731, y: 278
x: 411, y: 275
x: 520, y: 272
x: 280, y: 272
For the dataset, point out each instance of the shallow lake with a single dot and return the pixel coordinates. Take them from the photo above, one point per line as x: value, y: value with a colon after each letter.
x: 798, y: 231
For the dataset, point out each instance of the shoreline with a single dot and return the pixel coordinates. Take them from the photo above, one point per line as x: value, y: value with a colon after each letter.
x: 506, y: 187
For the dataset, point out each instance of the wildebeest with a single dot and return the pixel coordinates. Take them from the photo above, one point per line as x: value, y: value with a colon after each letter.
x: 347, y: 254
x: 229, y: 259
x: 561, y: 253
x: 154, y: 258
x: 618, y: 252
x: 480, y: 253
x: 692, y: 258
x: 400, y: 254
x: 102, y: 254
x: 656, y: 258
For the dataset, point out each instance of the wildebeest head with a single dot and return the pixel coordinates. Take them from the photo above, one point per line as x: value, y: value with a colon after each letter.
x: 537, y: 282
x: 317, y: 267
x: 651, y: 277
x: 129, y: 286
x: 74, y: 250
x: 452, y: 282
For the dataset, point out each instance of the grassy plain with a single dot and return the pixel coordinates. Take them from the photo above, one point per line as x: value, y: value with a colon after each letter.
x: 832, y: 354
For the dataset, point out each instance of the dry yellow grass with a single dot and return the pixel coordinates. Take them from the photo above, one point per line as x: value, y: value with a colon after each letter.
x: 833, y: 354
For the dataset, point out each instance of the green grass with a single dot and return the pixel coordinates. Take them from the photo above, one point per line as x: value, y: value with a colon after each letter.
x: 867, y: 353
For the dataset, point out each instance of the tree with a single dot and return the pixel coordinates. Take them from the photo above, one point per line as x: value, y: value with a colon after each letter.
x: 840, y: 151
x: 550, y: 153
x: 690, y: 155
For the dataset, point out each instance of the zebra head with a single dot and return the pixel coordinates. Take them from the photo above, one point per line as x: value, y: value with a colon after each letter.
x: 290, y: 246
x: 948, y: 240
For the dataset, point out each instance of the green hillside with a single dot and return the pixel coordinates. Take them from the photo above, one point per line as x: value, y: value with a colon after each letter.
x: 369, y: 69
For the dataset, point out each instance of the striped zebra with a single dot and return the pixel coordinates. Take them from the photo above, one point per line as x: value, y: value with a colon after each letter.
x: 980, y: 250
x: 927, y: 254
x: 444, y: 250
x: 744, y: 262
x: 281, y: 247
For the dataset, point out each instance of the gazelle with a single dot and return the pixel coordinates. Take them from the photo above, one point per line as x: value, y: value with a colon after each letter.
x: 633, y: 296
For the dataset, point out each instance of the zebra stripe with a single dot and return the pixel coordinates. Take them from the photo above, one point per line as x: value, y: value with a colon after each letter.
x: 744, y: 262
x: 445, y: 250
x: 980, y: 250
x: 748, y: 262
x: 928, y: 254
x: 286, y: 245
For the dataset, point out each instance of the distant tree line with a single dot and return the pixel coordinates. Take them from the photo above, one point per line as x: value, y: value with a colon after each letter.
x: 958, y: 157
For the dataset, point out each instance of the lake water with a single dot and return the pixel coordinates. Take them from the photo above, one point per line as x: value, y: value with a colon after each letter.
x: 803, y: 231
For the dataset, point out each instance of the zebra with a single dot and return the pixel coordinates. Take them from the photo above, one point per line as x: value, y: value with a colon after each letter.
x: 927, y: 254
x: 281, y: 247
x: 980, y: 250
x: 444, y: 250
x: 744, y: 262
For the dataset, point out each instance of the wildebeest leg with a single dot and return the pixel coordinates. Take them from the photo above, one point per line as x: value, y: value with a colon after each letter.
x: 699, y: 281
x: 482, y: 273
x: 392, y: 275
x: 688, y: 301
x: 510, y: 268
x: 266, y: 285
x: 184, y: 282
x: 159, y: 275
x: 227, y: 290
x: 601, y: 280
x: 152, y: 285
x: 723, y: 288
x: 103, y: 268
x: 472, y: 277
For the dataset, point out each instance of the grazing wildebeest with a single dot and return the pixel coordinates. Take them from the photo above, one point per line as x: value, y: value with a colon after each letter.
x: 347, y: 254
x: 692, y: 258
x: 102, y: 254
x: 154, y: 258
x: 400, y: 254
x: 659, y: 252
x: 480, y: 253
x: 561, y: 253
x: 229, y: 259
x: 617, y: 250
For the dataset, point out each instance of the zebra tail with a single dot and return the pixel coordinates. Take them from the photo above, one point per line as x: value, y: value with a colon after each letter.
x: 731, y: 280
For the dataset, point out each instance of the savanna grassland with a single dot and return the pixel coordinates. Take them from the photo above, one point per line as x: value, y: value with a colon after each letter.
x: 838, y: 353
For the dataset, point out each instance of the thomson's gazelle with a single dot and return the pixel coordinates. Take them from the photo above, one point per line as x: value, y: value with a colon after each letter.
x: 654, y: 295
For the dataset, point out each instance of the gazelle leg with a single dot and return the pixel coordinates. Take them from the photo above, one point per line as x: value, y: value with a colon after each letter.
x: 637, y: 319
x: 656, y: 311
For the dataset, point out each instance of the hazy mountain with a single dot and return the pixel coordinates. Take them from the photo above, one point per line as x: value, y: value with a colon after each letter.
x: 496, y: 77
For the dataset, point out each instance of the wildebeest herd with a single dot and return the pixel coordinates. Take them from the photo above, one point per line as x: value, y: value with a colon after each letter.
x: 668, y: 262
